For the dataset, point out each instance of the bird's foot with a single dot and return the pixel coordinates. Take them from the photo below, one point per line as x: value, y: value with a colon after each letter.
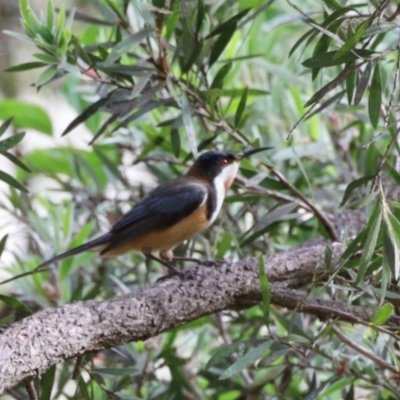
x: 170, y: 275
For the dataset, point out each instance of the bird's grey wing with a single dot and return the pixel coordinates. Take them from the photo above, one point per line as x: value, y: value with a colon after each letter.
x: 162, y: 208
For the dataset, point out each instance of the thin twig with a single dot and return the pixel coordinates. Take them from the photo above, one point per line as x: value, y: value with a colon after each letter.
x: 30, y: 388
x: 318, y: 213
x: 270, y: 193
x: 373, y: 357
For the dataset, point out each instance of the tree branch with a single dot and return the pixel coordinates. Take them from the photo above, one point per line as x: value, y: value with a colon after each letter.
x: 32, y: 345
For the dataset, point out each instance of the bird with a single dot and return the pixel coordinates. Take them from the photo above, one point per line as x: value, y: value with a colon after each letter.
x: 173, y: 212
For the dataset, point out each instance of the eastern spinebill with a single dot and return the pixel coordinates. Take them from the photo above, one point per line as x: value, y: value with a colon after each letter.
x: 172, y: 213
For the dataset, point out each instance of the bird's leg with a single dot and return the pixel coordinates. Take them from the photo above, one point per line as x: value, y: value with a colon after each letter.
x: 171, y: 268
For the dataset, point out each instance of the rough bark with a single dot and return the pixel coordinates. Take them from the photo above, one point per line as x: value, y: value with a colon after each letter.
x: 32, y: 345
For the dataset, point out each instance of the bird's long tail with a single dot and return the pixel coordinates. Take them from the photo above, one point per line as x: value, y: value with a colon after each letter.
x: 99, y: 242
x: 102, y: 240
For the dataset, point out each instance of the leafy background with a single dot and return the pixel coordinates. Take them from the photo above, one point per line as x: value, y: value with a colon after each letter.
x: 153, y: 84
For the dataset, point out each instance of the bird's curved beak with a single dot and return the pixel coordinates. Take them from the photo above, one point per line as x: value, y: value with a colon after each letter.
x: 250, y: 152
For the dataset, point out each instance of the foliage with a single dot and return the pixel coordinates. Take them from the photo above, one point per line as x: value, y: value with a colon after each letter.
x: 317, y: 80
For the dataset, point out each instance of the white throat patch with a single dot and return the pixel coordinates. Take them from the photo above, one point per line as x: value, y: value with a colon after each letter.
x: 222, y: 182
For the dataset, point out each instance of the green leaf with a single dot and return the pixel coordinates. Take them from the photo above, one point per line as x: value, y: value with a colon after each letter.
x: 198, y: 47
x: 200, y: 15
x: 12, y: 182
x: 328, y: 59
x: 86, y: 114
x: 333, y: 4
x: 302, y: 38
x: 46, y: 76
x: 266, y: 295
x: 390, y: 247
x: 354, y: 185
x: 362, y: 84
x: 15, y: 304
x: 188, y: 124
x: 337, y: 386
x: 384, y: 313
x: 83, y: 390
x: 223, y: 352
x: 241, y: 108
x: 26, y: 66
x: 350, y: 85
x: 334, y: 99
x: 375, y: 97
x: 47, y: 379
x: 50, y: 15
x: 239, y: 92
x: 26, y: 115
x: 246, y: 360
x: 10, y: 142
x: 127, y: 44
x: 221, y: 43
x: 329, y: 87
x: 370, y: 242
x: 175, y: 141
x: 352, y: 40
x: 228, y: 24
x: 3, y: 244
x: 218, y: 80
x: 16, y: 161
x: 4, y: 126
x: 380, y: 27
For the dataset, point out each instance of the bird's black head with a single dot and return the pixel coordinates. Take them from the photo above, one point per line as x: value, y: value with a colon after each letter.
x: 211, y: 164
x: 221, y: 165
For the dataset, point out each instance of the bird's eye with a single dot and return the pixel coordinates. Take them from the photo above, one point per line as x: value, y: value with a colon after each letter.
x: 224, y: 161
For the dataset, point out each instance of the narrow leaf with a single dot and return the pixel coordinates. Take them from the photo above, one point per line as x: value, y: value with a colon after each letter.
x: 127, y: 44
x: 241, y: 107
x: 380, y: 27
x: 193, y: 57
x: 15, y: 304
x: 47, y: 379
x: 3, y: 244
x: 15, y: 160
x: 329, y: 86
x: 375, y: 97
x: 228, y: 24
x: 246, y: 360
x: 26, y: 66
x: 353, y: 39
x: 362, y: 84
x: 218, y: 80
x: 175, y: 141
x: 200, y: 15
x: 384, y: 313
x: 46, y: 76
x: 370, y: 243
x: 333, y: 4
x: 390, y: 247
x: 10, y: 142
x: 354, y: 185
x: 4, y: 126
x: 328, y: 59
x: 350, y: 85
x: 188, y: 124
x: 86, y: 114
x: 12, y: 182
x: 221, y: 43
